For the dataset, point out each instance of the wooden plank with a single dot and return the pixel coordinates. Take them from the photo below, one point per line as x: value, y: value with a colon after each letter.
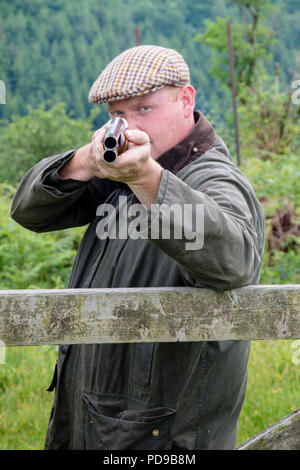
x: 283, y: 435
x: 69, y: 316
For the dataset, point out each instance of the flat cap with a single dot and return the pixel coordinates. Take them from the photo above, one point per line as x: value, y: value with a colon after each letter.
x: 137, y: 71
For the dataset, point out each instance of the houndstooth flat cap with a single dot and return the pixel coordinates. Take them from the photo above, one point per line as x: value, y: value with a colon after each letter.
x: 137, y: 71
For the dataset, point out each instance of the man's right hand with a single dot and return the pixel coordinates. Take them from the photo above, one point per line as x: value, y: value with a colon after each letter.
x: 82, y: 166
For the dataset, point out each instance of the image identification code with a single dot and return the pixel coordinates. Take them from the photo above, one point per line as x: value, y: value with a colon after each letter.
x: 154, y: 459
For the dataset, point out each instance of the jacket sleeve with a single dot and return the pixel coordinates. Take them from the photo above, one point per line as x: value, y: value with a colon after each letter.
x: 44, y: 202
x: 216, y: 228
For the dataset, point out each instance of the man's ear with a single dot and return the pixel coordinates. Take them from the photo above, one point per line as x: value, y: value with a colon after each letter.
x: 187, y: 96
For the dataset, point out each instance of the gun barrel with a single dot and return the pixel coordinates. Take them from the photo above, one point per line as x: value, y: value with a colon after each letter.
x: 114, y: 141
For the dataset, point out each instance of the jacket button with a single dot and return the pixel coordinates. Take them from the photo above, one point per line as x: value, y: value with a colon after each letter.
x: 155, y: 432
x: 195, y: 149
x: 64, y: 349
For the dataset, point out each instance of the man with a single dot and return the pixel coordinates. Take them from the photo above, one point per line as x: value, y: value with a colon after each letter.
x: 149, y: 395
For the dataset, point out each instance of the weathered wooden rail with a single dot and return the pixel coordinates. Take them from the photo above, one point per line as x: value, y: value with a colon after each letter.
x: 70, y: 316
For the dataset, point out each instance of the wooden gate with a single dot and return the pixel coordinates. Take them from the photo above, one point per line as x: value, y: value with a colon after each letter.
x: 125, y: 315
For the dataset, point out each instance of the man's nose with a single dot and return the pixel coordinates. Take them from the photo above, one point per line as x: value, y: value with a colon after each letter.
x: 132, y: 126
x: 133, y: 123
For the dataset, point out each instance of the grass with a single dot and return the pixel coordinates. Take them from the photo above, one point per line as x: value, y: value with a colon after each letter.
x: 24, y: 402
x: 273, y: 389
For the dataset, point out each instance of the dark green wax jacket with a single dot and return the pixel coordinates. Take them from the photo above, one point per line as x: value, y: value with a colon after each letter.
x: 152, y: 395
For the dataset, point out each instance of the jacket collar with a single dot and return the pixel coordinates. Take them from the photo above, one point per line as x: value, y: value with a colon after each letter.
x: 200, y: 139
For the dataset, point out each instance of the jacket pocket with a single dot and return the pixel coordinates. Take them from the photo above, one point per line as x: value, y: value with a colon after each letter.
x: 114, y: 422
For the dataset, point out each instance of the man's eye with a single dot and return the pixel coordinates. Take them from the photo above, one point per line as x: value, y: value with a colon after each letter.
x: 144, y: 109
x: 115, y: 113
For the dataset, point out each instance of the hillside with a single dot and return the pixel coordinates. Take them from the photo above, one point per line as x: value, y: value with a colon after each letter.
x: 52, y: 50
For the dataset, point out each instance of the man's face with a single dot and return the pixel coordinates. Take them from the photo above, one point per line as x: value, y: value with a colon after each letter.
x: 164, y: 115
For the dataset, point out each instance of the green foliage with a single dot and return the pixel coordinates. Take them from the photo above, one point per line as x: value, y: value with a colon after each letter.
x: 251, y: 42
x: 274, y: 120
x: 276, y: 181
x: 284, y: 269
x: 245, y: 55
x: 285, y: 24
x: 34, y: 261
x: 55, y: 50
x: 268, y: 121
x: 40, y: 133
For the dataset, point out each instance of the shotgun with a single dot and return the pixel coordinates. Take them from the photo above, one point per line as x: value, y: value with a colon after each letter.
x: 114, y: 142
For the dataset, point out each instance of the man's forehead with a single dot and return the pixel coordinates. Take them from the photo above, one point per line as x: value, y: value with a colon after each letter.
x: 149, y: 97
x: 143, y: 99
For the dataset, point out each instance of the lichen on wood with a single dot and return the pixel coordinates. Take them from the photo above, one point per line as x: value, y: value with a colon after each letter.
x: 166, y: 314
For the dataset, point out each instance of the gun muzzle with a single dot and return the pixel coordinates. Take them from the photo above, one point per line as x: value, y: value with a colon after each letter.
x: 114, y: 142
